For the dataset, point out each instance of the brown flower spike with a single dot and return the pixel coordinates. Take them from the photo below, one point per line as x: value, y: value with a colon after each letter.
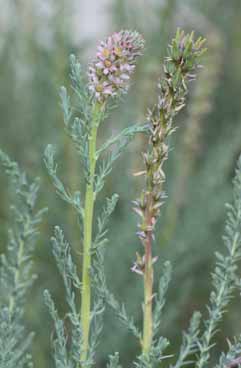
x: 179, y: 69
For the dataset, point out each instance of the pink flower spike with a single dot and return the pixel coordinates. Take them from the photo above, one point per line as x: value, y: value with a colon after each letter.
x: 114, y: 63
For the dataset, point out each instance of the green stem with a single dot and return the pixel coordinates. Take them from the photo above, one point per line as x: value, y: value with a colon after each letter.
x: 88, y: 224
x: 20, y: 257
x: 16, y: 275
x: 148, y: 290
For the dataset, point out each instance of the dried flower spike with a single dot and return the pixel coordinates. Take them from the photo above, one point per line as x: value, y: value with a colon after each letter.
x: 115, y: 61
x: 179, y: 69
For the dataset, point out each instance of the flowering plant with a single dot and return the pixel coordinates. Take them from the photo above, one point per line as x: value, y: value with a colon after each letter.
x: 78, y: 333
x: 108, y: 76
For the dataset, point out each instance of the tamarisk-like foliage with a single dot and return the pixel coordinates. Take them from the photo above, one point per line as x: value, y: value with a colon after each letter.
x: 84, y: 113
x: 232, y: 358
x: 179, y: 69
x: 225, y: 273
x: 225, y: 277
x: 66, y: 357
x: 16, y: 267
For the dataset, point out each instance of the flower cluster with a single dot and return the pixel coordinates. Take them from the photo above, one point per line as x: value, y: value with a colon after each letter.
x: 115, y: 61
x: 179, y: 69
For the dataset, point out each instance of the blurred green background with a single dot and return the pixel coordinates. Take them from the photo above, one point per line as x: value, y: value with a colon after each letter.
x: 36, y: 38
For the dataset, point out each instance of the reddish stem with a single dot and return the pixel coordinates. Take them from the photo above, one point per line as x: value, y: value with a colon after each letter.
x: 148, y: 287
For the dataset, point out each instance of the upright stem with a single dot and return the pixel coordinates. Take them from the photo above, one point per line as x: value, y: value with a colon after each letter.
x: 20, y: 259
x: 148, y: 289
x: 16, y: 275
x: 179, y: 68
x: 88, y: 224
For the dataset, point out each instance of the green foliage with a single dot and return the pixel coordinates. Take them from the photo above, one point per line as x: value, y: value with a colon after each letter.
x: 232, y: 357
x: 120, y: 141
x: 102, y: 221
x: 119, y: 309
x: 114, y: 361
x: 34, y: 49
x: 189, y: 344
x: 224, y: 282
x: 72, y: 199
x: 225, y: 273
x: 64, y: 357
x: 160, y: 297
x: 16, y: 265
